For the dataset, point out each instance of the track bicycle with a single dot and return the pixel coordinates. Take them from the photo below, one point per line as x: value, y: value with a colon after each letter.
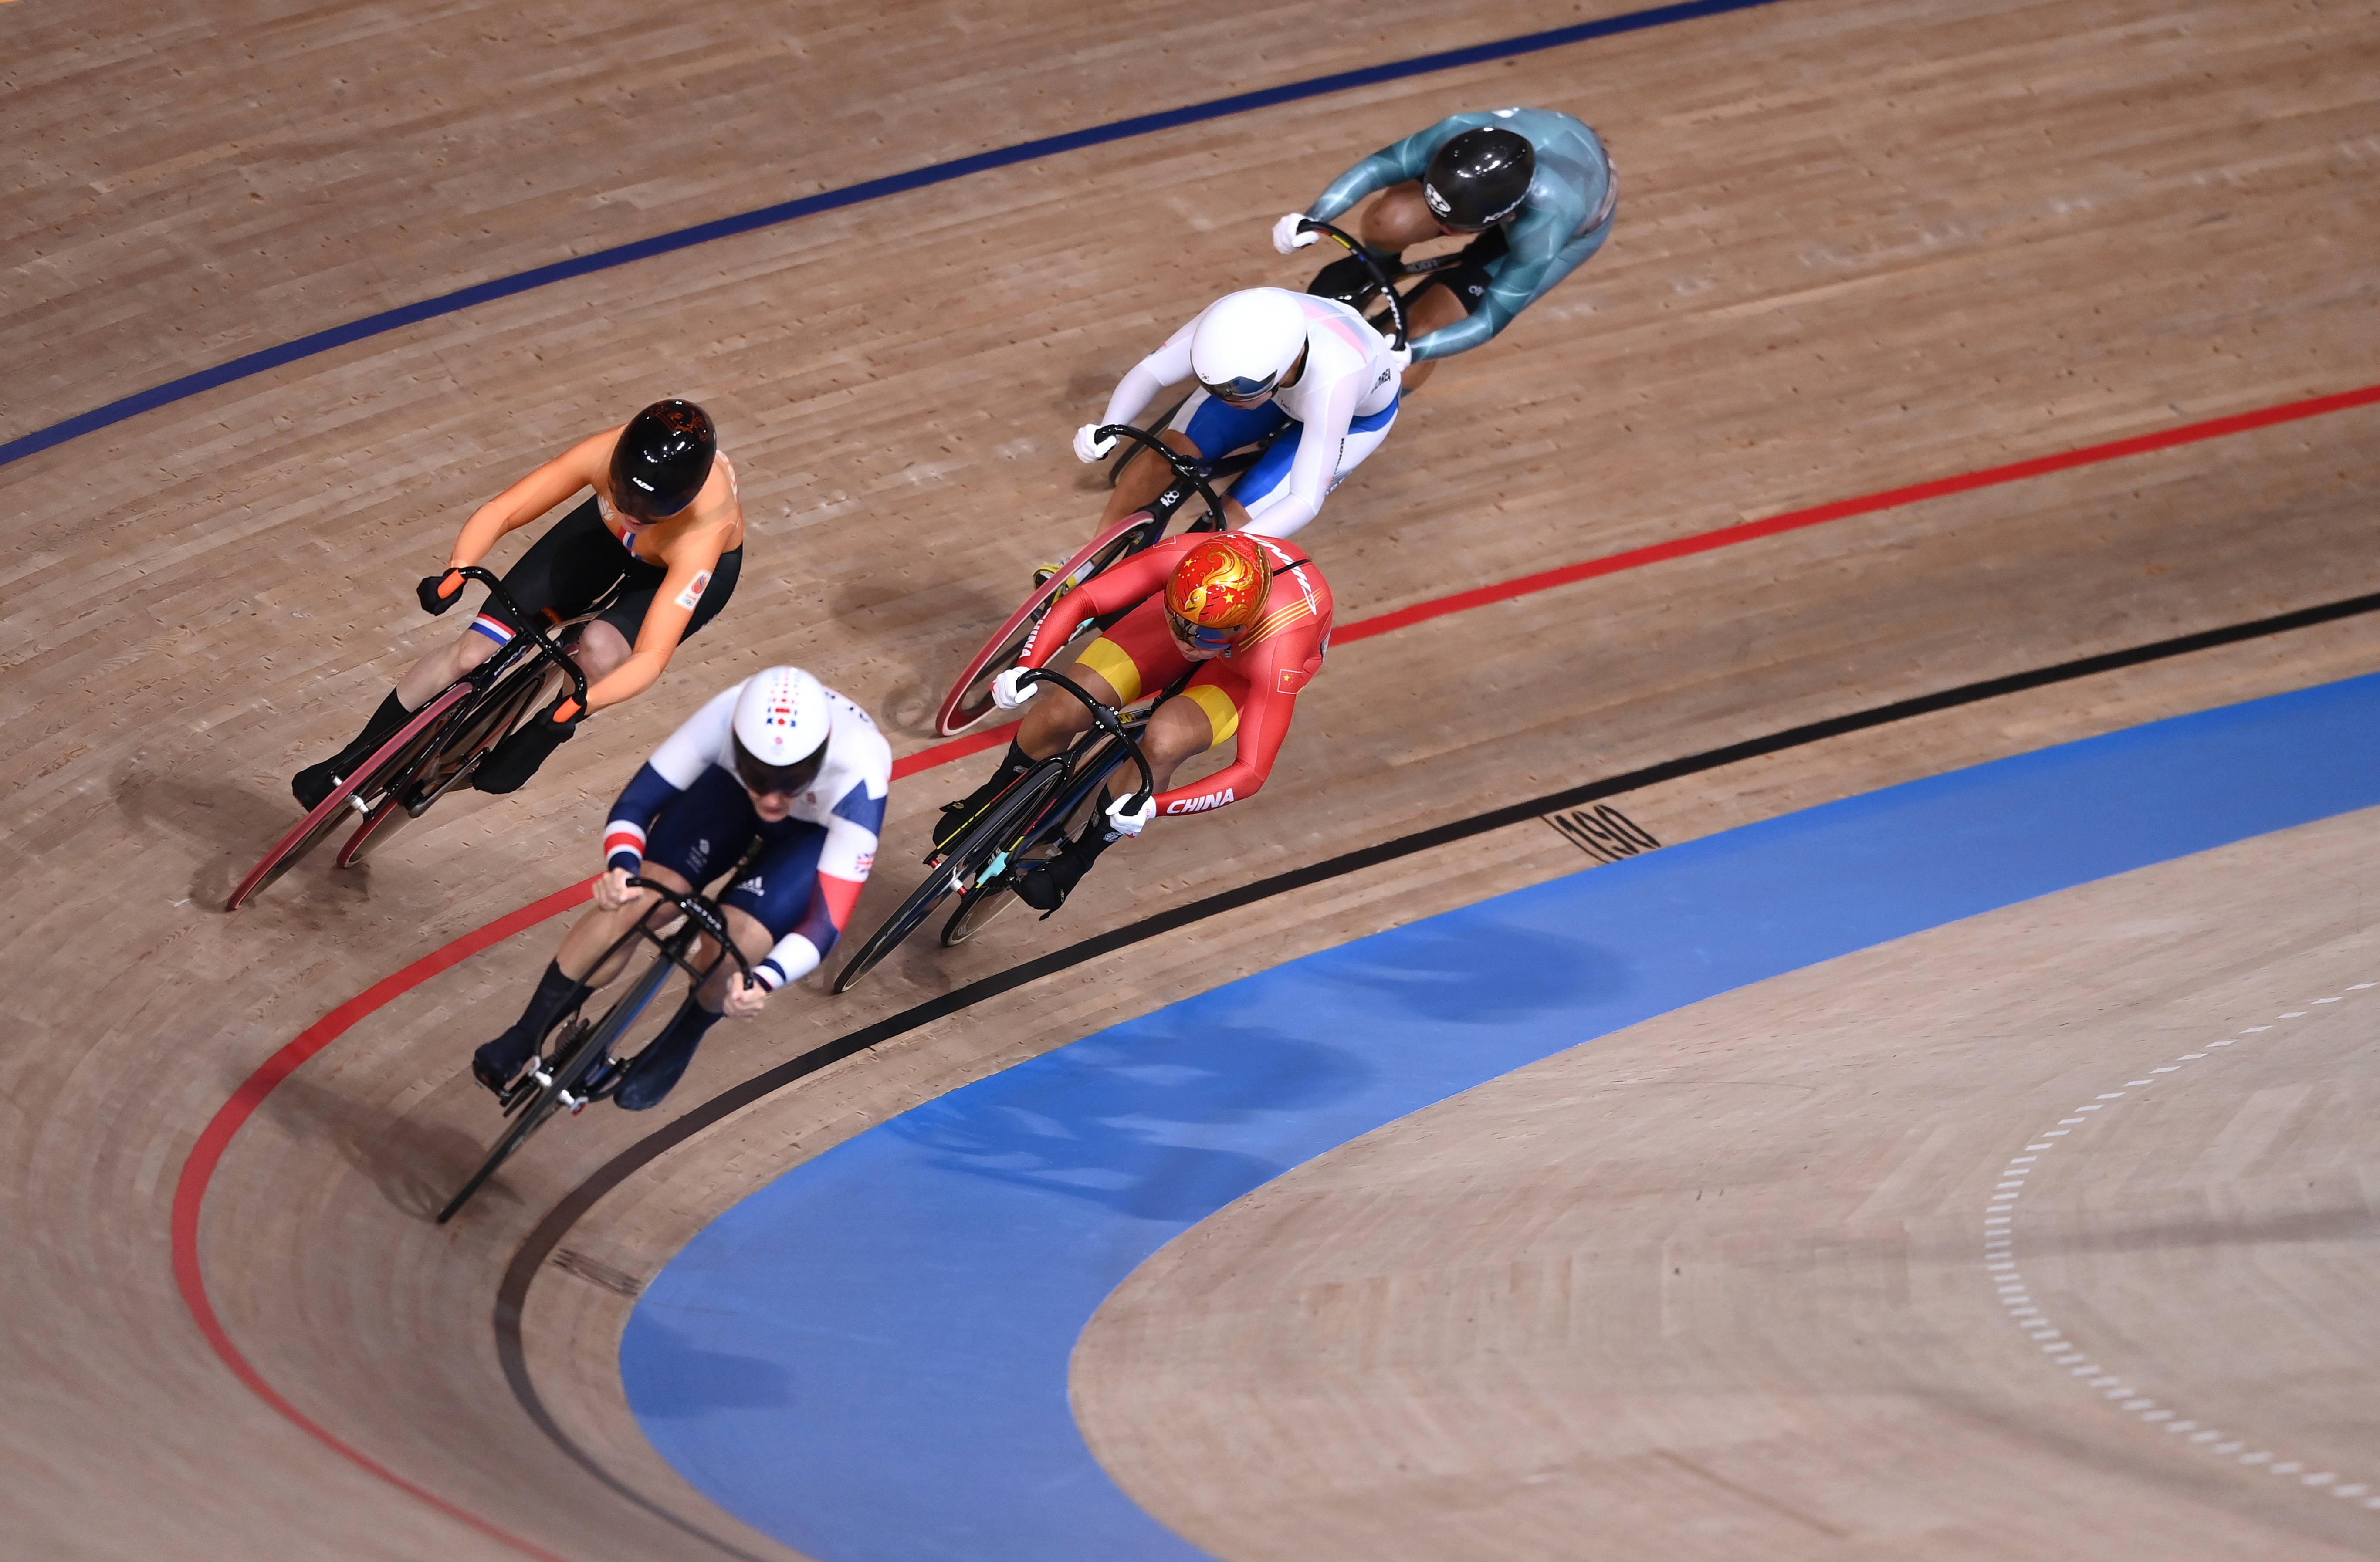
x: 438, y: 749
x: 1025, y: 824
x: 575, y: 1062
x: 969, y: 700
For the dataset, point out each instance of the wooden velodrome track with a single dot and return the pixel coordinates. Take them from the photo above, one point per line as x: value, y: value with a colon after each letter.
x: 1864, y: 244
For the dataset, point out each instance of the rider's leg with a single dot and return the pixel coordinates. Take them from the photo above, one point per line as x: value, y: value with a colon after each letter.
x: 1397, y: 219
x: 516, y: 757
x: 1050, y: 722
x: 1144, y: 479
x: 416, y: 688
x: 1179, y: 729
x: 1202, y: 428
x: 662, y: 1062
x: 565, y: 570
x: 1437, y: 308
x: 568, y: 979
x: 1266, y: 486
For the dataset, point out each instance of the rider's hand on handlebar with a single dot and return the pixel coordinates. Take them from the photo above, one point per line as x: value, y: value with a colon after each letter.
x: 433, y: 600
x: 566, y: 711
x: 1126, y: 819
x: 612, y: 890
x: 1009, y: 691
x: 745, y: 998
x: 1286, y: 237
x: 1089, y: 447
x: 1401, y: 356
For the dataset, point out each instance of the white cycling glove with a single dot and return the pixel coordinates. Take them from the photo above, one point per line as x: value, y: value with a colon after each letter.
x: 1286, y: 237
x: 1089, y: 447
x: 1126, y: 819
x: 1401, y: 356
x: 1008, y: 694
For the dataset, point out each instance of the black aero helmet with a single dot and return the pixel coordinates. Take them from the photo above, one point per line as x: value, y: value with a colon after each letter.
x: 663, y: 459
x: 1480, y: 177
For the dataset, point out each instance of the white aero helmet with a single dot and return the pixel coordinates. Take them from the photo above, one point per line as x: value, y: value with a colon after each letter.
x: 780, y: 730
x: 1246, y: 342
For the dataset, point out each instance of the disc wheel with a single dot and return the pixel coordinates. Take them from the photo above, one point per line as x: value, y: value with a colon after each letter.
x: 379, y: 773
x: 969, y: 700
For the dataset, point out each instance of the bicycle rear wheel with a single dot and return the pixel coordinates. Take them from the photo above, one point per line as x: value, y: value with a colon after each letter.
x: 384, y: 771
x: 446, y: 759
x: 969, y: 700
x: 977, y: 857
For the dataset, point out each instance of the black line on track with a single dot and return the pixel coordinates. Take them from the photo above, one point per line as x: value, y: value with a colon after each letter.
x: 547, y: 1235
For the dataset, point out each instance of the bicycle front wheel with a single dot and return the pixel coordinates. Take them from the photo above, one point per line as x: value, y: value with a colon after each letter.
x: 971, y: 859
x: 387, y: 769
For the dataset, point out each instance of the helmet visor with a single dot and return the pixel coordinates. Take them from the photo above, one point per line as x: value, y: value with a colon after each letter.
x: 1242, y: 390
x: 779, y: 781
x: 1199, y: 635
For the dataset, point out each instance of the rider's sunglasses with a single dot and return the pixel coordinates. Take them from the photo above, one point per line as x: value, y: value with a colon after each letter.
x: 1199, y: 635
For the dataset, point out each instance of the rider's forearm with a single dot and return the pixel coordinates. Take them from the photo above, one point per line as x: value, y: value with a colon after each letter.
x: 1133, y: 394
x: 627, y: 681
x: 639, y: 802
x: 1235, y: 783
x: 486, y: 528
x: 1376, y: 172
x: 1390, y: 166
x: 1461, y: 336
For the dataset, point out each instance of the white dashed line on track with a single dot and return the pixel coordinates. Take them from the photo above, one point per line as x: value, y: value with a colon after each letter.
x: 2009, y: 1286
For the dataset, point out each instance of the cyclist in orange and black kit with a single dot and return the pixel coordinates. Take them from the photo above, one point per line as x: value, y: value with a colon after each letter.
x: 662, y: 538
x: 1250, y: 613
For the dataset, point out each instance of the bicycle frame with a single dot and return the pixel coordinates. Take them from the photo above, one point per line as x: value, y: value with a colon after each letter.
x: 1380, y: 278
x: 1082, y: 776
x: 560, y: 1079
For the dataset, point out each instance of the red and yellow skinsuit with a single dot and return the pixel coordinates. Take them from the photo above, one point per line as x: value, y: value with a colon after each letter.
x: 1250, y: 689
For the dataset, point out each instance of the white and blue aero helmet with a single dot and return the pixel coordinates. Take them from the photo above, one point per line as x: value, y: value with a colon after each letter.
x: 780, y: 730
x: 1246, y: 341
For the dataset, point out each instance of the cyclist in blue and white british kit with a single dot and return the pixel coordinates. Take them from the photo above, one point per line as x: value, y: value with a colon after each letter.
x: 1265, y: 359
x: 779, y: 759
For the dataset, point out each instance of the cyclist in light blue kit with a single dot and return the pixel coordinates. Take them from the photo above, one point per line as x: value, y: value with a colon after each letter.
x: 1537, y: 188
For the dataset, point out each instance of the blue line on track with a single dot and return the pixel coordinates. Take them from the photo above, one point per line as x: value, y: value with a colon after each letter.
x: 869, y: 1358
x: 828, y: 200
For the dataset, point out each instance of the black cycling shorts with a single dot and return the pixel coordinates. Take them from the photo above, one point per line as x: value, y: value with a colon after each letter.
x: 1474, y: 267
x: 578, y: 562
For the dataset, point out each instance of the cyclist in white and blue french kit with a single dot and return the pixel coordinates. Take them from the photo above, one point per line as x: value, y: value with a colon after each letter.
x: 1534, y: 183
x: 1268, y: 361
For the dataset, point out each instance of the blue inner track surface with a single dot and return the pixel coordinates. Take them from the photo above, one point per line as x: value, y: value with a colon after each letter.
x: 868, y: 1359
x: 605, y: 259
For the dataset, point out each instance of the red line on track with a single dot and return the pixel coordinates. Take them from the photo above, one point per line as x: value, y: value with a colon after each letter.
x: 191, y: 1193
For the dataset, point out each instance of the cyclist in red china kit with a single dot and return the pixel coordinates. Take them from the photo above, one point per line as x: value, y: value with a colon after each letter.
x: 1246, y: 618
